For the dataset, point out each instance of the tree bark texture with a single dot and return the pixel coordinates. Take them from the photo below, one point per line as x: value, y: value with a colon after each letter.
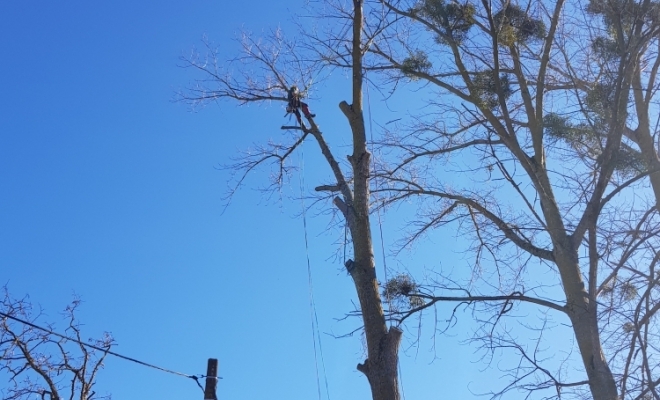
x: 581, y: 310
x: 584, y: 320
x: 381, y: 365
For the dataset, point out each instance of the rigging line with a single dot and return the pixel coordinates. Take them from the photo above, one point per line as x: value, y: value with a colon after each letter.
x: 312, y: 304
x: 403, y: 392
x: 380, y: 222
x: 345, y: 240
x: 309, y: 281
x: 318, y: 336
x: 106, y: 350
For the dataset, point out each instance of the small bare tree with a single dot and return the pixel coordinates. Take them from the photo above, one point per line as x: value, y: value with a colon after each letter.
x: 43, y: 365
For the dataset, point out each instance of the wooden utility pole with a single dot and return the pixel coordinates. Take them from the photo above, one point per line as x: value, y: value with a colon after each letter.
x: 211, y: 379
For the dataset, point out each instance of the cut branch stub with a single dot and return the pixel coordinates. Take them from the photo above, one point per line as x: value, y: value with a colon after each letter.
x: 387, y: 365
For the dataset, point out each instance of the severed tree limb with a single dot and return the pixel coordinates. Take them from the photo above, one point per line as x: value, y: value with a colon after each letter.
x: 327, y: 188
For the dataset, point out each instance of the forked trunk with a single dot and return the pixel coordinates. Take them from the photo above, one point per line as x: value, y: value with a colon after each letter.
x: 584, y: 319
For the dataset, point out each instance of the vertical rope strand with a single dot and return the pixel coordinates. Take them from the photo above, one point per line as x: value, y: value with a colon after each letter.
x: 380, y: 222
x: 403, y: 392
x: 312, y: 304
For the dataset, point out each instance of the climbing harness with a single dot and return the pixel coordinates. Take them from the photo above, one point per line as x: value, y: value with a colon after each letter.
x: 294, y: 105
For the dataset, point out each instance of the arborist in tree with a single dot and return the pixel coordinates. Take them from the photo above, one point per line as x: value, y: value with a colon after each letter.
x: 295, y: 104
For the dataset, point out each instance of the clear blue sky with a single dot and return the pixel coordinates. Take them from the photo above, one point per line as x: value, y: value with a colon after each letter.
x: 109, y: 190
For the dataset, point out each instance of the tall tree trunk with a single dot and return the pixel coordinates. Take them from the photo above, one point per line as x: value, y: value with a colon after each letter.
x: 381, y: 365
x: 583, y: 314
x: 581, y: 305
x: 642, y: 134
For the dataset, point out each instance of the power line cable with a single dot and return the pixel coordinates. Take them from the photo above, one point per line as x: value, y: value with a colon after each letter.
x: 106, y: 350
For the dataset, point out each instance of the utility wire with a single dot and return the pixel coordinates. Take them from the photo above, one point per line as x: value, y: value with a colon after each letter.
x: 105, y: 350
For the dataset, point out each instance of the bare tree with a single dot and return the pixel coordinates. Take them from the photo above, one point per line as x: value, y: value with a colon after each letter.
x: 533, y: 98
x: 270, y: 66
x: 42, y: 365
x: 618, y: 34
x: 545, y: 193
